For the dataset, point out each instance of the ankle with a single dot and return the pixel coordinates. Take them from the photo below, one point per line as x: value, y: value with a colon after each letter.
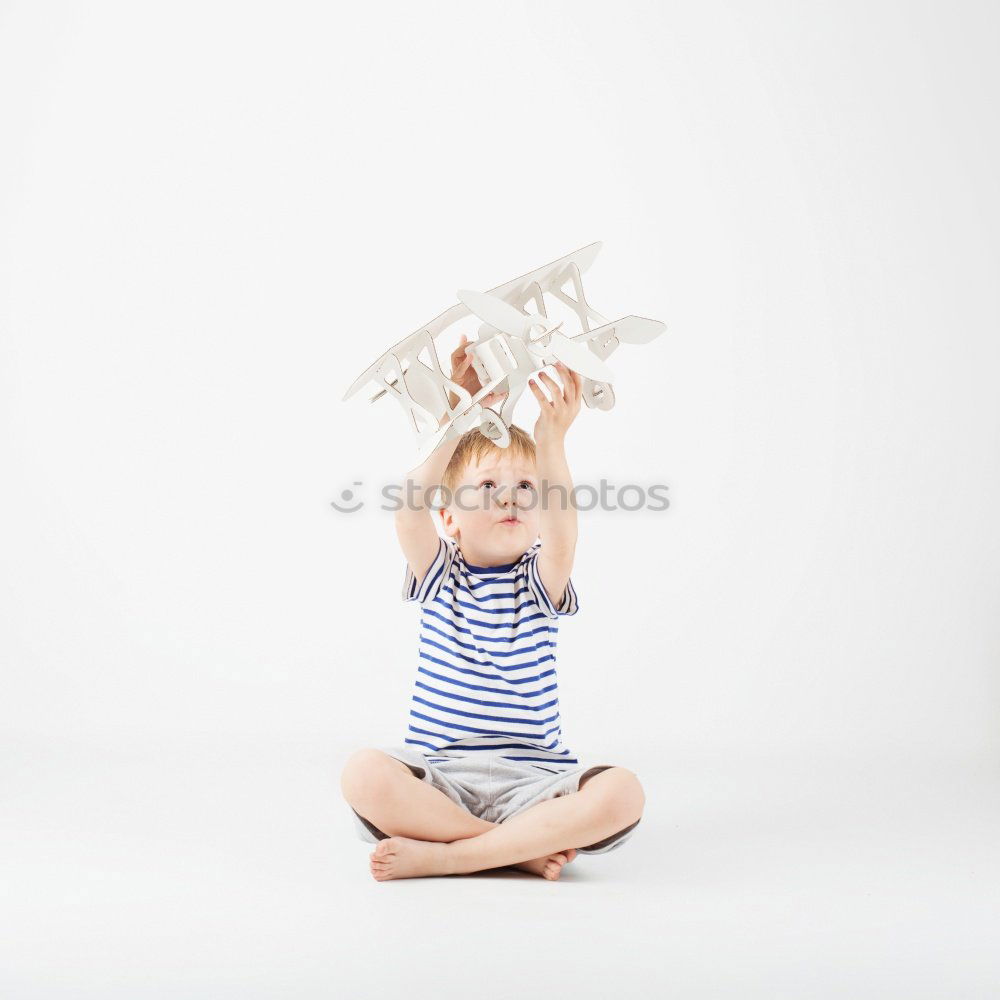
x: 450, y: 858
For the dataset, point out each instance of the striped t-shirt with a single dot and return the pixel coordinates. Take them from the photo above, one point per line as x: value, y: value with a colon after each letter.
x: 486, y: 677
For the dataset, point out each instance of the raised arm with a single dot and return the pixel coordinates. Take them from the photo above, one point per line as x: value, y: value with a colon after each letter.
x: 557, y: 517
x: 415, y: 529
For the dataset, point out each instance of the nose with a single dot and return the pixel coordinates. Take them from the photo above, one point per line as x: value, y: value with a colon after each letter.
x: 505, y: 498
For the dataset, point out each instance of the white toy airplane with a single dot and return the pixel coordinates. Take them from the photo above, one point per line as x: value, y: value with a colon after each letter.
x: 512, y: 345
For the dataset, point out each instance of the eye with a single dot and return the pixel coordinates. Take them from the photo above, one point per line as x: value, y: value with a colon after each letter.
x: 527, y: 484
x: 487, y: 482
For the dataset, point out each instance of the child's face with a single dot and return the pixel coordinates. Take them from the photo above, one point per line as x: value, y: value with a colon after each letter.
x: 491, y: 491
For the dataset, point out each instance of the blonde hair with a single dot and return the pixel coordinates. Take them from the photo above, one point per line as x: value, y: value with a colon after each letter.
x: 474, y: 446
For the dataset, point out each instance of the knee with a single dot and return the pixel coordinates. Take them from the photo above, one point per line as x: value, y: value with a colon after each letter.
x: 625, y: 797
x: 364, y: 775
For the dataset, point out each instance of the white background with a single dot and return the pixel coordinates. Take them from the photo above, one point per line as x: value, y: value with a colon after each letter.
x: 213, y: 217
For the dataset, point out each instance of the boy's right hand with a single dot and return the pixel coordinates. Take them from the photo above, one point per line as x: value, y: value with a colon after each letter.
x: 465, y: 375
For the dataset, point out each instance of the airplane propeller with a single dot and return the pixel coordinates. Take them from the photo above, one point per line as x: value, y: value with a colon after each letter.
x: 505, y: 318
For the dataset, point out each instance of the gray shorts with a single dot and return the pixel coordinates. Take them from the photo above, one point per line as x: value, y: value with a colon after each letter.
x: 492, y: 788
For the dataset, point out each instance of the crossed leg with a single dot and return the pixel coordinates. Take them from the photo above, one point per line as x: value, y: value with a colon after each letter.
x: 385, y: 792
x: 605, y: 804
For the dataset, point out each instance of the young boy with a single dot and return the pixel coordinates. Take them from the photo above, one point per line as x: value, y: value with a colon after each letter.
x: 483, y: 780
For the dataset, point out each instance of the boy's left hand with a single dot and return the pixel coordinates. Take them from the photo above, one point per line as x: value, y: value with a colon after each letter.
x: 558, y: 413
x: 463, y: 374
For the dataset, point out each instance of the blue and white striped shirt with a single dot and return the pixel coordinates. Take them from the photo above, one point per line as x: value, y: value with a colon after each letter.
x: 486, y: 679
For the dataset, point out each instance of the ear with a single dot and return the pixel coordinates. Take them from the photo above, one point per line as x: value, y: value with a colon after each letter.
x: 448, y: 522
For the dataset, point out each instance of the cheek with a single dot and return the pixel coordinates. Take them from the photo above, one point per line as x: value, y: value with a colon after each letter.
x: 481, y: 510
x: 530, y: 500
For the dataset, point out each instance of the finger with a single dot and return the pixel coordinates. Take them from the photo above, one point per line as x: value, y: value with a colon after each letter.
x: 574, y: 383
x: 553, y: 386
x: 542, y: 395
x: 567, y: 379
x: 539, y: 395
x: 570, y: 377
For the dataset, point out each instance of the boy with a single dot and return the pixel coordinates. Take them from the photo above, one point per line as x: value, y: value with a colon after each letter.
x: 484, y: 780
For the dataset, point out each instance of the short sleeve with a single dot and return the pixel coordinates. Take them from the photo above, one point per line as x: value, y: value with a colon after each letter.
x: 567, y: 606
x: 427, y: 589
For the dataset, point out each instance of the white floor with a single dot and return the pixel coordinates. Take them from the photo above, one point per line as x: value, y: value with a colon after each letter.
x: 229, y: 868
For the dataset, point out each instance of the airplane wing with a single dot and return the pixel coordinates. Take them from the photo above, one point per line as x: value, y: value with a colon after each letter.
x: 547, y: 277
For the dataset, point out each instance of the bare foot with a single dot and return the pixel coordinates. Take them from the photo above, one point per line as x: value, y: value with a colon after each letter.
x: 550, y: 866
x: 401, y: 857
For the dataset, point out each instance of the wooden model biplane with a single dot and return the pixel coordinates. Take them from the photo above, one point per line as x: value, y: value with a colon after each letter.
x: 512, y: 345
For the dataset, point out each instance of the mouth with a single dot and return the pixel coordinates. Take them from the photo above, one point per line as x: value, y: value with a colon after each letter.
x: 510, y: 521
